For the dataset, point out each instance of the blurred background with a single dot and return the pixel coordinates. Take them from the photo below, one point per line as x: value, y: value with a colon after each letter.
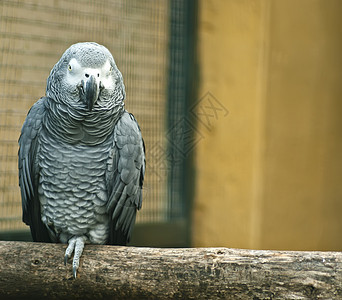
x: 239, y: 102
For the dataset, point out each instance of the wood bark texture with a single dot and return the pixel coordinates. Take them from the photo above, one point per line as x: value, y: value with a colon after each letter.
x: 36, y: 271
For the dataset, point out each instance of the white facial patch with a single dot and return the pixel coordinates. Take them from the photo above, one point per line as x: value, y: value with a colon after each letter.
x: 76, y: 73
x: 107, y: 76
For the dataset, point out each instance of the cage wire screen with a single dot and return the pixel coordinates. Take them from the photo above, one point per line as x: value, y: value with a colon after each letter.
x: 33, y: 36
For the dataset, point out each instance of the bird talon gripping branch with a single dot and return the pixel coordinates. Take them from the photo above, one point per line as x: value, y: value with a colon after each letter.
x: 80, y: 175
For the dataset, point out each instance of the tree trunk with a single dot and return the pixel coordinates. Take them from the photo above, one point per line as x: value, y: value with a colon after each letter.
x: 36, y: 270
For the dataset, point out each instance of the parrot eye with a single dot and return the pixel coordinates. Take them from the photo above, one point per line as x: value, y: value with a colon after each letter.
x: 69, y: 67
x: 110, y: 69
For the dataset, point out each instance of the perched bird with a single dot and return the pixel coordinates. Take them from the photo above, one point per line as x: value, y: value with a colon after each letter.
x: 81, y: 156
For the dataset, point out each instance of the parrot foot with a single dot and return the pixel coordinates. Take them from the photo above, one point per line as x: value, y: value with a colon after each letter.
x: 76, y: 245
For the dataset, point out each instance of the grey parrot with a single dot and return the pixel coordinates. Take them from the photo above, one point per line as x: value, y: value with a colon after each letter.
x: 81, y: 156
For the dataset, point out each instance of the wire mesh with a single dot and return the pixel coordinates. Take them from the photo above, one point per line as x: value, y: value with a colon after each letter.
x: 34, y: 34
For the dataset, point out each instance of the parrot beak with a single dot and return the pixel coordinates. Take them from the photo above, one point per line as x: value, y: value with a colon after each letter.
x: 89, y: 91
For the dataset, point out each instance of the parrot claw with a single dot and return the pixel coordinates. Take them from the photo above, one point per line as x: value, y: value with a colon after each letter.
x: 76, y: 245
x: 74, y: 271
x: 65, y: 260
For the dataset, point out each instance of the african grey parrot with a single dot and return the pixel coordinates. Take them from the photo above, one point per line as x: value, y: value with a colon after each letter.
x: 81, y: 155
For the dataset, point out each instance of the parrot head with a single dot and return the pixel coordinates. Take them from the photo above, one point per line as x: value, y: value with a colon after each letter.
x: 86, y: 77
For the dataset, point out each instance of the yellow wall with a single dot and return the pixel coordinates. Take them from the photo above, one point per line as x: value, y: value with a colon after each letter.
x: 268, y: 173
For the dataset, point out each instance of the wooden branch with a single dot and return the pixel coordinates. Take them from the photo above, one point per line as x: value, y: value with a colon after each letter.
x: 36, y: 270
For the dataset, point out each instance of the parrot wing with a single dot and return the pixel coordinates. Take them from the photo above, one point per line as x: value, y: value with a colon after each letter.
x: 29, y: 171
x: 125, y: 176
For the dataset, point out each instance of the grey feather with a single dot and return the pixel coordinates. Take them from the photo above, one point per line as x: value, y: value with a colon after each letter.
x: 81, y: 167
